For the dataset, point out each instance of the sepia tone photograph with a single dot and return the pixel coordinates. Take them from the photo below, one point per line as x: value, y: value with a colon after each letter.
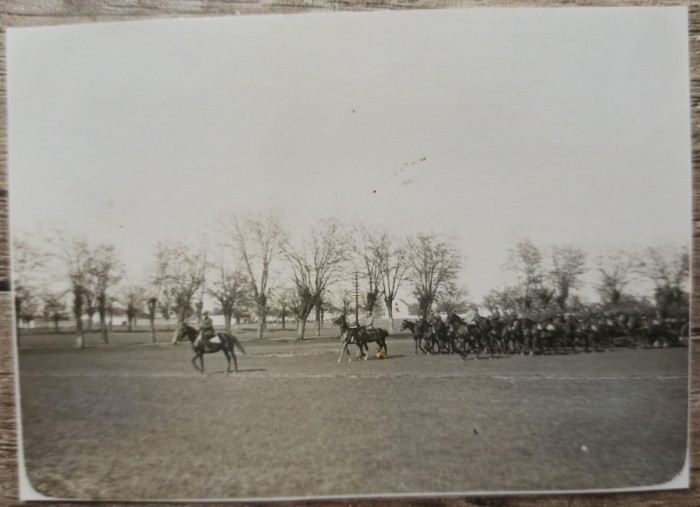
x: 348, y: 255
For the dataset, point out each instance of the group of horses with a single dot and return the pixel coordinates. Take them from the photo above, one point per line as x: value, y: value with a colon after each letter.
x: 481, y: 335
x: 551, y: 335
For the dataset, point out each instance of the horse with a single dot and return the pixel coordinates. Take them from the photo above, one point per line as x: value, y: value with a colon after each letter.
x: 440, y: 338
x: 225, y: 344
x: 417, y: 330
x: 361, y: 337
x: 348, y: 337
x: 523, y: 333
x: 466, y: 337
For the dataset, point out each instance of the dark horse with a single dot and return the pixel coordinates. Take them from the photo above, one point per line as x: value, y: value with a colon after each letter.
x: 419, y: 330
x: 360, y: 336
x: 225, y: 344
x: 474, y: 336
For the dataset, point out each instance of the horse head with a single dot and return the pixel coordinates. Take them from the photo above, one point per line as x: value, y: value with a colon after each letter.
x: 186, y: 331
x: 341, y: 321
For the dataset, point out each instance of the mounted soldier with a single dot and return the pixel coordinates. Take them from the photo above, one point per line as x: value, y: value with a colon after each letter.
x: 206, y: 330
x: 367, y: 323
x: 436, y: 322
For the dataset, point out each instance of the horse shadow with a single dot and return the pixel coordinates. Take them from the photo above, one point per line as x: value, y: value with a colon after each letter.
x: 248, y: 370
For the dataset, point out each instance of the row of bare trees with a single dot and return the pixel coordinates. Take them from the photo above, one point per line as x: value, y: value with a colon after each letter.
x: 546, y: 279
x: 255, y: 267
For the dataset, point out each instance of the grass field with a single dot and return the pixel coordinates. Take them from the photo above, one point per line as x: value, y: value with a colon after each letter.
x: 135, y: 420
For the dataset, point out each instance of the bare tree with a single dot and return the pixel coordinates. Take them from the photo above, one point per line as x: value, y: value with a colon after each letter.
x: 568, y: 264
x: 392, y: 257
x: 104, y: 271
x: 231, y: 289
x: 525, y: 261
x: 453, y: 301
x: 617, y: 270
x: 75, y: 254
x: 295, y: 304
x: 434, y: 264
x: 182, y: 277
x: 26, y: 261
x: 285, y: 299
x: 316, y: 264
x: 133, y: 298
x: 157, y: 288
x: 54, y: 307
x: 669, y: 268
x: 258, y: 240
x: 366, y: 249
x: 89, y: 300
x: 343, y: 301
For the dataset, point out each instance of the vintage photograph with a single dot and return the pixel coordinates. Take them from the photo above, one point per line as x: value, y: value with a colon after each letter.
x: 346, y: 255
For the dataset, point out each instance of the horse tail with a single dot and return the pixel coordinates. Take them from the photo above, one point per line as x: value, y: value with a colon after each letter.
x: 233, y: 342
x: 238, y: 344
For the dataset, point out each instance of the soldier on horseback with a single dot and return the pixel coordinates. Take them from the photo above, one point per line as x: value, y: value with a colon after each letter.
x: 206, y: 330
x: 367, y: 324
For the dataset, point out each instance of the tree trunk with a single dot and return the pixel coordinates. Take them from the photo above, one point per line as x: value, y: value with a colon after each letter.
x: 301, y: 328
x: 261, y: 320
x: 55, y: 325
x: 284, y: 314
x: 130, y: 323
x: 103, y: 325
x: 152, y: 320
x: 102, y: 313
x: 227, y: 321
x: 390, y: 313
x: 318, y: 319
x: 152, y: 305
x: 78, y: 314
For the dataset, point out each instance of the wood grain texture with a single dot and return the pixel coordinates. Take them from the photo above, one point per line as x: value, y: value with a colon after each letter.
x: 52, y: 12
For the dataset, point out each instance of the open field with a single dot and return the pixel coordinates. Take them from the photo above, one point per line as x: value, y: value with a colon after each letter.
x: 135, y: 420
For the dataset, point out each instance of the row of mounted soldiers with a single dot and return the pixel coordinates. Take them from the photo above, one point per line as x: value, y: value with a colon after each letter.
x: 511, y: 334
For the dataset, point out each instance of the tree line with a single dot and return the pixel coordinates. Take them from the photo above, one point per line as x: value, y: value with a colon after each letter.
x: 255, y: 268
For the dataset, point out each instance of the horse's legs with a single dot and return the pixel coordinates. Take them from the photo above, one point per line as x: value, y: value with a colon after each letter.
x: 201, y: 361
x: 194, y: 362
x: 342, y: 351
x: 235, y: 362
x: 228, y: 358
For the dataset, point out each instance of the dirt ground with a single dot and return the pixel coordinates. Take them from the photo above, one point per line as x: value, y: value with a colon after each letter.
x: 134, y: 420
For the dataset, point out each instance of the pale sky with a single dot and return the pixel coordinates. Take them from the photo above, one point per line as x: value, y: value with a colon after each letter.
x: 566, y: 126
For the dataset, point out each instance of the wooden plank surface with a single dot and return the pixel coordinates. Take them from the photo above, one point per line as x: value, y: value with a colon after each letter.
x: 52, y: 12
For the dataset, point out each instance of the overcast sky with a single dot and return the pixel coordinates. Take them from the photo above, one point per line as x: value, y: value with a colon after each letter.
x: 566, y: 126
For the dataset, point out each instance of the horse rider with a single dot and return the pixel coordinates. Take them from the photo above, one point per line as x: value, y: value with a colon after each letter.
x: 206, y: 330
x: 496, y: 315
x: 436, y: 322
x: 367, y: 322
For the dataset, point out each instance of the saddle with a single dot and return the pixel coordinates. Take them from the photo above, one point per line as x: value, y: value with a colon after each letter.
x: 214, y: 339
